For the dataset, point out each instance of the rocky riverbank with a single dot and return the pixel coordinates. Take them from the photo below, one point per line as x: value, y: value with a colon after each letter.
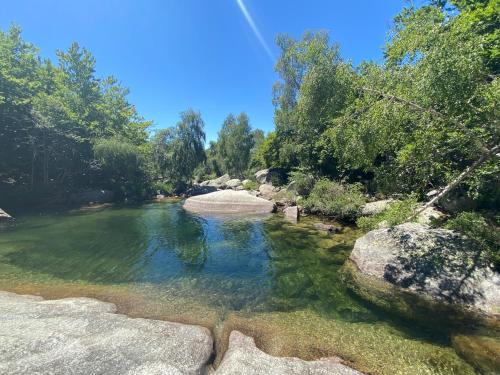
x: 86, y: 336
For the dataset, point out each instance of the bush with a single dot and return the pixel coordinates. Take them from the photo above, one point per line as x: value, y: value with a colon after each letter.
x: 166, y: 188
x: 304, y: 182
x: 477, y: 228
x: 331, y: 198
x: 251, y: 185
x: 397, y: 213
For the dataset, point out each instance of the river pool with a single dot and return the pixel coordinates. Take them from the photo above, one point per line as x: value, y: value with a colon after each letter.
x: 269, y: 278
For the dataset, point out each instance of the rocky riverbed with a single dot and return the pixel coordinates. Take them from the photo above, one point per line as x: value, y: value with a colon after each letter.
x: 86, y: 336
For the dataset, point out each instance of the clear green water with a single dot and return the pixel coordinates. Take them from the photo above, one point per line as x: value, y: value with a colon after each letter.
x: 255, y: 270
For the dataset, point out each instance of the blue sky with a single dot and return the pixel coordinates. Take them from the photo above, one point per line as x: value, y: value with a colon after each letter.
x: 210, y: 55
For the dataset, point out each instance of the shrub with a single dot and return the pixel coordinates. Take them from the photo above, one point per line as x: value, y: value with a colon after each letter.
x: 304, y: 182
x: 397, y: 213
x: 331, y: 198
x: 251, y: 185
x: 477, y: 228
x: 166, y: 188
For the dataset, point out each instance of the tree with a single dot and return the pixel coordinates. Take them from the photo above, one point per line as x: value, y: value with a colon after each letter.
x: 179, y: 150
x: 235, y: 143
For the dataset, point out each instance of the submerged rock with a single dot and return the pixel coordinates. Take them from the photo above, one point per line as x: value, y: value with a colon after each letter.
x: 327, y: 227
x: 483, y: 352
x: 439, y: 264
x: 291, y: 213
x: 243, y: 357
x: 84, y: 336
x: 228, y: 202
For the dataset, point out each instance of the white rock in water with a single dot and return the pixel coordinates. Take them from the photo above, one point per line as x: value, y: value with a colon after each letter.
x: 243, y: 357
x: 82, y: 336
x: 228, y: 202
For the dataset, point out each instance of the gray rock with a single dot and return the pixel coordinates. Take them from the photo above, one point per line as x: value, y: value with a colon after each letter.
x: 291, y: 213
x: 233, y: 183
x: 262, y: 176
x: 243, y: 357
x: 438, y: 263
x: 220, y: 181
x: 244, y: 182
x: 429, y: 215
x: 267, y: 191
x: 84, y: 336
x: 227, y: 202
x: 373, y: 208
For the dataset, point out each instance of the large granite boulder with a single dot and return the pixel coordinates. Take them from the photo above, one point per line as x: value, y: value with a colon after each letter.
x: 437, y: 265
x: 228, y: 202
x: 291, y: 213
x: 243, y: 357
x: 84, y: 336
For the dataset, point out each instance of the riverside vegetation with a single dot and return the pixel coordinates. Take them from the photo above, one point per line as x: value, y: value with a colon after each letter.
x: 420, y: 128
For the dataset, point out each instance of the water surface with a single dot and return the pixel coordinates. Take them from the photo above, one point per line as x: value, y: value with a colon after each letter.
x: 265, y: 276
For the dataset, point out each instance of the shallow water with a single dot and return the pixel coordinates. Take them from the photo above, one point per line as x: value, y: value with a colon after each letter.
x: 264, y: 276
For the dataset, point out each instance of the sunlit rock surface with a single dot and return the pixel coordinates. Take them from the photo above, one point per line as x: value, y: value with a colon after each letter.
x: 243, y: 357
x: 84, y: 336
x: 437, y: 263
x: 228, y: 202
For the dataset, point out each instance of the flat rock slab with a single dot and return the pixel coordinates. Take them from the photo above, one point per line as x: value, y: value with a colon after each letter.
x: 243, y: 357
x: 84, y: 336
x: 228, y: 202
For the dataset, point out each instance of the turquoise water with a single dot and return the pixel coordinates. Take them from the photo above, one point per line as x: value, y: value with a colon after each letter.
x: 263, y: 274
x: 254, y: 264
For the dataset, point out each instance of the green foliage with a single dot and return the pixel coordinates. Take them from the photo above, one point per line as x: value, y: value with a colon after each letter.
x: 166, y: 188
x: 397, y: 213
x: 177, y: 151
x: 303, y: 181
x: 339, y: 200
x: 52, y: 115
x: 235, y: 143
x: 474, y: 226
x: 123, y: 167
x: 251, y: 185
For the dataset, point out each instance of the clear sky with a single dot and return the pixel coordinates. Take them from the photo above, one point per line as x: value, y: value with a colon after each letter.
x: 215, y: 56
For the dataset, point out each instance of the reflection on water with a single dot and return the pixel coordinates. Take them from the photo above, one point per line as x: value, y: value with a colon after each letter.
x: 261, y: 264
x: 159, y: 261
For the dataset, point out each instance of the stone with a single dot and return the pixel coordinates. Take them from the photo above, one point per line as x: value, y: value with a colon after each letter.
x: 5, y: 219
x: 439, y: 264
x: 429, y: 215
x: 291, y: 213
x: 262, y: 176
x: 229, y: 202
x: 267, y: 191
x: 243, y: 357
x: 220, y: 181
x: 82, y: 336
x: 233, y: 183
x: 327, y: 227
x: 374, y: 208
